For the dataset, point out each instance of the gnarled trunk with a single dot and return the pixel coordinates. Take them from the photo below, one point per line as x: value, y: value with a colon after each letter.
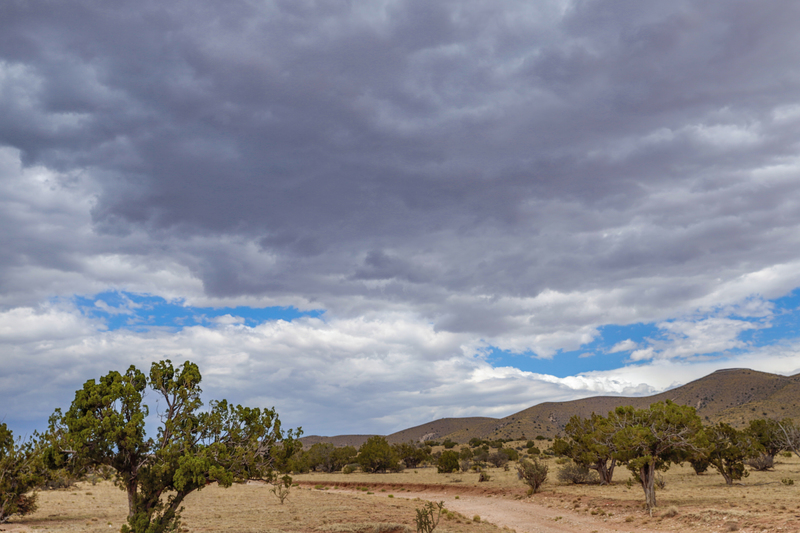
x: 647, y: 475
x: 605, y: 471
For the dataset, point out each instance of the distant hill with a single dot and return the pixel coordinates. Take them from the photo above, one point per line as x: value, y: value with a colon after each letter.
x: 338, y: 440
x: 735, y: 396
x: 438, y: 429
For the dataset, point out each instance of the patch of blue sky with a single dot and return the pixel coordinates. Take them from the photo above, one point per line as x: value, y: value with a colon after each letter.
x: 141, y: 312
x: 782, y: 325
x: 596, y: 355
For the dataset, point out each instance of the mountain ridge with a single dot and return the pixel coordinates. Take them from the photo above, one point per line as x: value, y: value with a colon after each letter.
x: 732, y: 395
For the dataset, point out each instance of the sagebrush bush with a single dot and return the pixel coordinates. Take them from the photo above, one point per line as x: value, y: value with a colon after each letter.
x: 762, y: 462
x: 533, y: 473
x: 577, y: 474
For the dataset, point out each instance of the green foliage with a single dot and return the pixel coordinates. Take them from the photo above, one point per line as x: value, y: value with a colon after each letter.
x: 465, y: 453
x: 498, y: 459
x: 282, y: 488
x: 20, y: 472
x: 324, y: 457
x: 651, y: 439
x: 376, y: 455
x: 533, y: 473
x: 699, y: 464
x: 590, y: 443
x: 105, y: 427
x: 425, y: 520
x: 511, y: 453
x: 729, y: 449
x: 533, y: 450
x: 474, y: 442
x: 411, y: 454
x: 768, y: 435
x: 484, y: 476
x: 577, y: 474
x: 448, y: 462
x: 449, y: 444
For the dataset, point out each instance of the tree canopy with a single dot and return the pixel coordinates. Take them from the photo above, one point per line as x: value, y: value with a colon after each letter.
x: 105, y: 426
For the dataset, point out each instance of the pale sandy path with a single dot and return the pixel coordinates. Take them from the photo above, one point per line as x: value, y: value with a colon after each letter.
x: 527, y: 516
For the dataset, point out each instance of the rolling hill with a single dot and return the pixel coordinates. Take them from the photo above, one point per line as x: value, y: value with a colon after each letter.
x: 735, y: 396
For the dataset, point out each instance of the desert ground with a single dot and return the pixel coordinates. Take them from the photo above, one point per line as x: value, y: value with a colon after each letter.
x: 386, y: 503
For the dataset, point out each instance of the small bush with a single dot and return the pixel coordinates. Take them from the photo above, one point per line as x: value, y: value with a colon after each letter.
x: 787, y: 481
x: 761, y: 463
x: 533, y: 473
x: 476, y: 518
x: 659, y: 482
x: 448, y: 462
x: 282, y: 487
x: 671, y: 512
x: 465, y: 465
x: 484, y: 477
x: 349, y: 469
x: 577, y: 475
x: 700, y: 465
x: 498, y: 459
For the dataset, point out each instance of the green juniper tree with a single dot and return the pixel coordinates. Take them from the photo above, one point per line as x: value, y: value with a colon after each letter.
x: 590, y: 444
x: 376, y: 455
x: 105, y: 426
x: 20, y: 473
x: 729, y: 450
x: 651, y: 439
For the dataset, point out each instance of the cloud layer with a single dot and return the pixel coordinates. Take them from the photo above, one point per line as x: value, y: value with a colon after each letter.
x: 508, y: 174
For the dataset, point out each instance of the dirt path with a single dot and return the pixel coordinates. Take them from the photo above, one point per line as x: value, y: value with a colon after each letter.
x: 545, y: 515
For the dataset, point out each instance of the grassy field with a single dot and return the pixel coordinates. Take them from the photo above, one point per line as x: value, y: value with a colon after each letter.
x: 376, y: 503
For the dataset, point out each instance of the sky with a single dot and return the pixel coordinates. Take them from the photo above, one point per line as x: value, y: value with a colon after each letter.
x: 370, y: 215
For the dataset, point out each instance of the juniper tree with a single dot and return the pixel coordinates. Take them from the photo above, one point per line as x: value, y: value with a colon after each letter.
x: 729, y: 450
x: 105, y: 426
x: 651, y: 439
x: 20, y: 473
x: 590, y: 444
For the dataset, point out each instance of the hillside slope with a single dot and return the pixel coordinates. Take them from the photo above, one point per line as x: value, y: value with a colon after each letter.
x: 735, y: 396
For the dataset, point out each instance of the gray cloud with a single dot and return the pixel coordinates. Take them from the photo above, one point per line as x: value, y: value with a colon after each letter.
x: 520, y: 173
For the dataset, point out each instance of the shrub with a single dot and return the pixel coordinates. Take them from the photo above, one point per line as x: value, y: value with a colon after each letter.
x: 533, y: 450
x: 281, y: 489
x: 511, y: 453
x: 449, y: 444
x: 700, y: 465
x: 787, y: 481
x: 20, y: 469
x: 448, y: 462
x: 484, y: 477
x: 498, y: 459
x: 577, y: 474
x: 533, y: 473
x: 762, y: 462
x: 465, y: 464
x: 376, y: 455
x: 349, y: 469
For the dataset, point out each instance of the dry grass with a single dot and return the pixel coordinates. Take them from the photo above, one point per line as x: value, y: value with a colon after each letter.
x: 759, y: 502
x: 689, y: 503
x: 241, y: 508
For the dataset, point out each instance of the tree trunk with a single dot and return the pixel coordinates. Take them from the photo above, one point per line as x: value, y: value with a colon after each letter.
x: 606, y: 471
x: 131, y: 488
x: 647, y: 475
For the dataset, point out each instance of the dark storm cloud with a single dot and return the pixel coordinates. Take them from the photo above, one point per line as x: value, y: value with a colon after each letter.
x: 459, y: 159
